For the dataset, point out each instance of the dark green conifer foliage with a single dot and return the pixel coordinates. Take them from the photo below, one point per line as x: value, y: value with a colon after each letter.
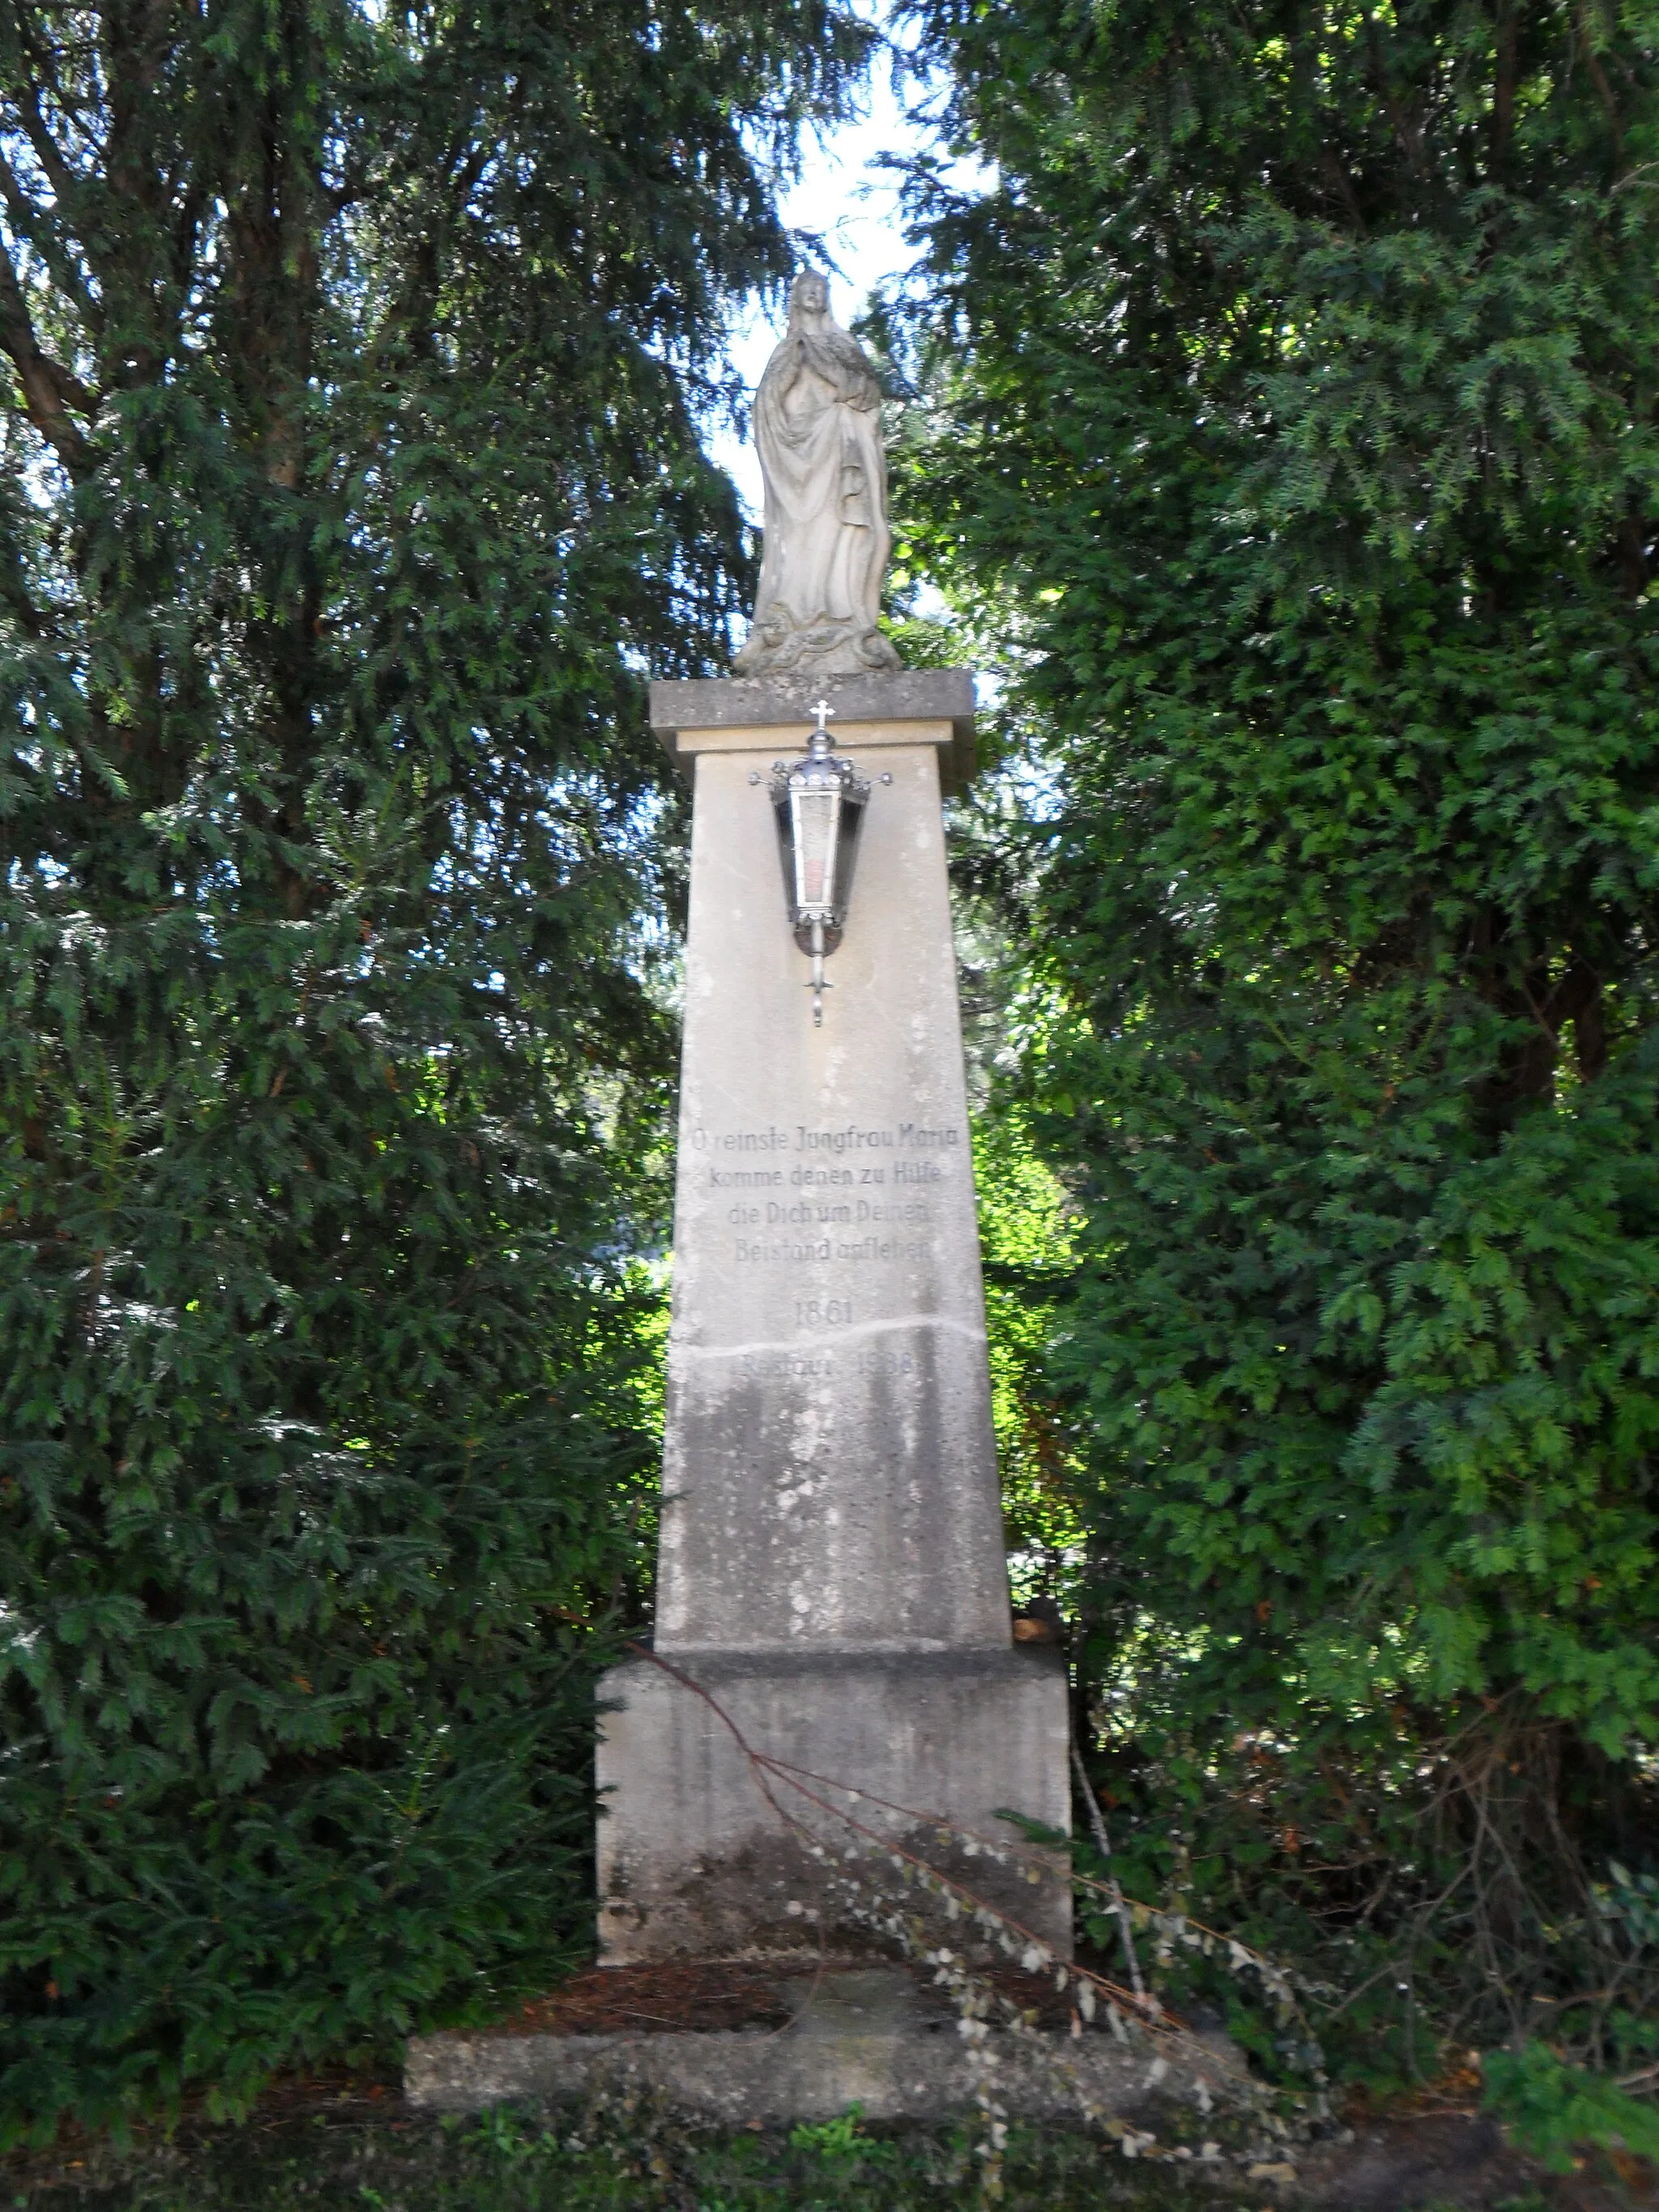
x: 350, y: 475
x: 1286, y: 420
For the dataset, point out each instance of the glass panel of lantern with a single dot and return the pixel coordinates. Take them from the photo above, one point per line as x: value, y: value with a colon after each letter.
x: 815, y: 808
x: 854, y: 792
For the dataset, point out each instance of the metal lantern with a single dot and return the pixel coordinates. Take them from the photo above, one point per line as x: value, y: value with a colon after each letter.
x: 819, y: 805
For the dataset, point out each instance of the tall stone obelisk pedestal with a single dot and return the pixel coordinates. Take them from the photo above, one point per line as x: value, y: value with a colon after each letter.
x: 831, y: 1570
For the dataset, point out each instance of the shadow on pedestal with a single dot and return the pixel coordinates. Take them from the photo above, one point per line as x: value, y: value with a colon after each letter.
x: 706, y: 1852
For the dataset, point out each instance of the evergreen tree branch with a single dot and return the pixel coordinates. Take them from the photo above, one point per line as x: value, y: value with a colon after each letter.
x: 49, y: 390
x: 1319, y: 566
x: 58, y: 174
x: 1599, y: 79
x: 333, y: 672
x: 32, y: 225
x: 1504, y: 82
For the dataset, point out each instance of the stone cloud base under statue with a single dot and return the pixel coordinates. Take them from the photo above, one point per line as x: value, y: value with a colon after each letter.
x: 695, y: 1861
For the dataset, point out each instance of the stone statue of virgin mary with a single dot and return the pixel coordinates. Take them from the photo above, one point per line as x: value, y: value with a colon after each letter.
x: 818, y: 425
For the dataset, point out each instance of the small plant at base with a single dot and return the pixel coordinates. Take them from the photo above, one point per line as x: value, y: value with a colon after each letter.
x: 503, y: 2130
x: 645, y: 2140
x: 1549, y: 2107
x: 842, y: 2141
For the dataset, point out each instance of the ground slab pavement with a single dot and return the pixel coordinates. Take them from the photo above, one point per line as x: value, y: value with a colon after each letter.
x: 774, y: 2046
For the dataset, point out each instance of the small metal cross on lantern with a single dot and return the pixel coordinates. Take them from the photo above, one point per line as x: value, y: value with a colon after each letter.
x: 819, y: 804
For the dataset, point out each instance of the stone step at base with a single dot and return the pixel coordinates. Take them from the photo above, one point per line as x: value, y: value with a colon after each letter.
x: 859, y: 2038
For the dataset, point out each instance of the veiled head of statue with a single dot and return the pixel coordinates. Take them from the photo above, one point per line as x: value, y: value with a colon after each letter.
x: 809, y: 296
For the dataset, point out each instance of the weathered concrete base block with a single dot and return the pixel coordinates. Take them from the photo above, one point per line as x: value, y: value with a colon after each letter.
x: 776, y: 2079
x: 694, y: 1861
x: 857, y: 2039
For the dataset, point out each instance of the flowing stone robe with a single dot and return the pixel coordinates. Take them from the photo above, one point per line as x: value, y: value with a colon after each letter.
x: 818, y: 428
